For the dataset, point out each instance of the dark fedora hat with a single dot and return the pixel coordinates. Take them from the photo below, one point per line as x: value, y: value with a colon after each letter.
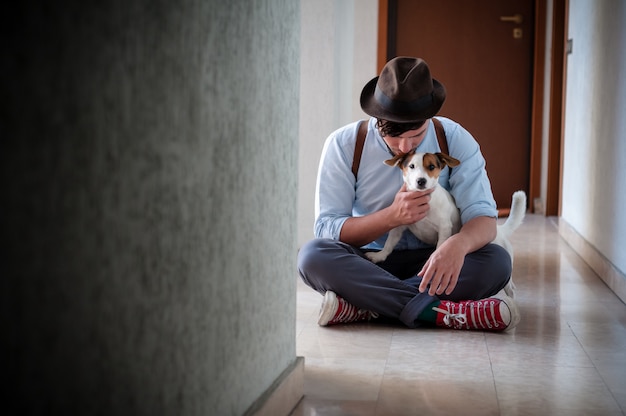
x: 404, y: 92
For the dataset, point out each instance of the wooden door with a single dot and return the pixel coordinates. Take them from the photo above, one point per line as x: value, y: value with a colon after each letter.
x: 482, y: 51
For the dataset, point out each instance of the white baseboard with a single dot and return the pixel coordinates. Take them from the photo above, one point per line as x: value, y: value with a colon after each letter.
x: 283, y: 396
x: 613, y: 278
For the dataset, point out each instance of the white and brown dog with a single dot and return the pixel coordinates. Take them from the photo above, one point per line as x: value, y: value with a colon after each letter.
x: 421, y: 172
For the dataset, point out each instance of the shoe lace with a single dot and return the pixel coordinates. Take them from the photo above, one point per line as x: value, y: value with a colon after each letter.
x: 452, y: 319
x: 484, y: 314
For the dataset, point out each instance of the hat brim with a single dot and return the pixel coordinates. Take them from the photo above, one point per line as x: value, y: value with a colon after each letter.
x: 375, y: 109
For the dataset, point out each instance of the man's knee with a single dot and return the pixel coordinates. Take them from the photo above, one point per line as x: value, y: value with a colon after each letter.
x: 495, y: 260
x: 315, y: 255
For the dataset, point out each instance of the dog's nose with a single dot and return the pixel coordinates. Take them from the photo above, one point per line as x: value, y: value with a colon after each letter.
x: 421, y: 182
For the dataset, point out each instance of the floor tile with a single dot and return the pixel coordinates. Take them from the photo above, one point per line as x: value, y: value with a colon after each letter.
x: 309, y: 406
x: 551, y: 390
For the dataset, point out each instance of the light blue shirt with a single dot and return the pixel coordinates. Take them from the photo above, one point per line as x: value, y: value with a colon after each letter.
x: 338, y: 197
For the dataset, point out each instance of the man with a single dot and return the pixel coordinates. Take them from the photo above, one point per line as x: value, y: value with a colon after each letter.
x: 458, y: 285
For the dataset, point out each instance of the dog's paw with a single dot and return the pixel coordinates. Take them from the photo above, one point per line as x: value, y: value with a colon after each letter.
x: 376, y: 257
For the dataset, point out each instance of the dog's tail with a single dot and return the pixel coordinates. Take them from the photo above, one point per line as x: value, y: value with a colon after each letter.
x: 517, y: 214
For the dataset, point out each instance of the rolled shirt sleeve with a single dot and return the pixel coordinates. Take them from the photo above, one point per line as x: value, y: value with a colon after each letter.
x: 335, y: 190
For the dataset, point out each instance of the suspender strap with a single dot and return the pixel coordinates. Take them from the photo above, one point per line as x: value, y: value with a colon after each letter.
x: 441, y: 136
x: 358, y: 148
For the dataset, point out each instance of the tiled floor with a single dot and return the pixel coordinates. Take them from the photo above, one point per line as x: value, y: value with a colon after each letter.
x: 566, y: 357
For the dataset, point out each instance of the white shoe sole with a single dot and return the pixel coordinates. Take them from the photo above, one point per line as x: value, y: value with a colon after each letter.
x: 513, y: 310
x: 328, y: 309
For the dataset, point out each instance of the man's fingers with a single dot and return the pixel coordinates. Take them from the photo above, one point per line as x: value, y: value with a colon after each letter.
x: 434, y: 283
x: 426, y: 278
x: 452, y: 285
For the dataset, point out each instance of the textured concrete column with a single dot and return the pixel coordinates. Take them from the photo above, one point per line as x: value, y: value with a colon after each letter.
x: 148, y: 162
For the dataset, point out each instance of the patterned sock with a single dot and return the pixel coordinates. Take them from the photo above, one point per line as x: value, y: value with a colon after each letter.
x: 428, y: 315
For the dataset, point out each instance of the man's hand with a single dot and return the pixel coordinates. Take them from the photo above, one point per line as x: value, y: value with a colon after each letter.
x: 443, y: 267
x: 409, y: 207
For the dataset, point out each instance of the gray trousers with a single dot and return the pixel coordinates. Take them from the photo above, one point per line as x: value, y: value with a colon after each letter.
x: 390, y: 288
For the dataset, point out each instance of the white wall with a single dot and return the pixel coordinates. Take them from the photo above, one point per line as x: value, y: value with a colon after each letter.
x: 594, y: 189
x: 338, y: 56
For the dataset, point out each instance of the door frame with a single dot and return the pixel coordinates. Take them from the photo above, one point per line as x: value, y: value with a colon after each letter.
x: 387, y: 18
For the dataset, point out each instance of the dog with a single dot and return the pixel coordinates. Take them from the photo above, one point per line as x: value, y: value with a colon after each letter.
x: 421, y: 172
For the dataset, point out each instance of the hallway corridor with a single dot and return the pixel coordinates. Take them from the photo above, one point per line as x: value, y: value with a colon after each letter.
x: 566, y: 357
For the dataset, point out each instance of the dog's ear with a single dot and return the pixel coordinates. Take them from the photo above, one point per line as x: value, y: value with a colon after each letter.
x: 448, y: 160
x: 397, y: 160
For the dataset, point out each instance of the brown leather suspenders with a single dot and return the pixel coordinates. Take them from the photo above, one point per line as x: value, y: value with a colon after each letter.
x: 358, y: 148
x: 441, y: 136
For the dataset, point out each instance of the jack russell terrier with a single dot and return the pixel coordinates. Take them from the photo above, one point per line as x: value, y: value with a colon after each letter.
x: 421, y: 172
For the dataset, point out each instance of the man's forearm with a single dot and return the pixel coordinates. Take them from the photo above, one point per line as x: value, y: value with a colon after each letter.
x: 476, y: 233
x: 359, y: 231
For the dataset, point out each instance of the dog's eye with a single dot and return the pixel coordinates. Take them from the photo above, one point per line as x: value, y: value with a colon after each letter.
x: 412, y: 166
x: 431, y: 167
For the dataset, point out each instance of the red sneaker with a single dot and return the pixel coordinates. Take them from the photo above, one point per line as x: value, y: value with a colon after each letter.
x: 336, y: 310
x: 491, y: 314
